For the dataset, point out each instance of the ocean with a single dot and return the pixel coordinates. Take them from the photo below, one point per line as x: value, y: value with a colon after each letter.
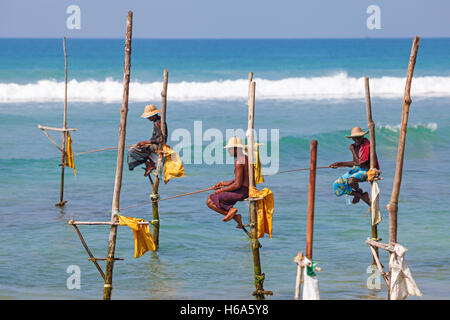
x: 305, y: 89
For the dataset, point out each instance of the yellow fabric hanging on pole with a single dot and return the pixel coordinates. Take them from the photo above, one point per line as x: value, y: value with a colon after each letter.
x: 264, y: 211
x: 173, y: 167
x: 257, y: 167
x: 143, y: 240
x: 69, y: 154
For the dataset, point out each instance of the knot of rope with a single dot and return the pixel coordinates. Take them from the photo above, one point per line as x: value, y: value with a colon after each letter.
x: 154, y: 197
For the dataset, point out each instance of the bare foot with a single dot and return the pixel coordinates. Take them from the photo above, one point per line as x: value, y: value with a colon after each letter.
x: 238, y: 219
x: 230, y: 215
x: 356, y: 198
x: 148, y: 168
x: 365, y: 198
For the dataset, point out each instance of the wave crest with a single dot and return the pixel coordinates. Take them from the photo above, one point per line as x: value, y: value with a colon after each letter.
x: 339, y: 86
x: 431, y: 126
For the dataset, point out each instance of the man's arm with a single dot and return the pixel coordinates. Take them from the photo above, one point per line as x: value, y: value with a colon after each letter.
x: 238, y: 180
x: 143, y: 143
x: 350, y: 164
x: 156, y: 136
x: 342, y: 164
x: 222, y: 184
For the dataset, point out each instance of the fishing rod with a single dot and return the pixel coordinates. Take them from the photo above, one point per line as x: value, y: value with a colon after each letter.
x: 204, y: 190
x: 302, y: 169
x: 105, y: 149
x: 173, y: 197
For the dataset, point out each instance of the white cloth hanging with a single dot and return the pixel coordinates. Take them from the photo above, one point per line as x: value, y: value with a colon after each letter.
x: 310, y: 284
x: 402, y: 283
x: 375, y: 206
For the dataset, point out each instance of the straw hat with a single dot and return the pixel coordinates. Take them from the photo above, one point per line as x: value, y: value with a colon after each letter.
x: 234, y: 142
x: 149, y: 111
x: 357, y: 132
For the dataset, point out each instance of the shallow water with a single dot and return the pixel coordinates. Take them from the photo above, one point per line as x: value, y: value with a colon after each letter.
x: 200, y: 257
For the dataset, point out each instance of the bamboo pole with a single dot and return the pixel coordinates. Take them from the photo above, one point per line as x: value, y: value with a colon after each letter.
x: 91, y: 256
x: 378, y: 264
x: 107, y: 289
x: 155, y: 195
x: 259, y: 276
x: 164, y: 105
x: 393, y: 204
x: 392, y: 207
x: 61, y: 202
x: 311, y: 199
x: 250, y: 80
x: 56, y: 129
x: 371, y: 126
x: 53, y: 141
x: 97, y: 223
x: 384, y: 246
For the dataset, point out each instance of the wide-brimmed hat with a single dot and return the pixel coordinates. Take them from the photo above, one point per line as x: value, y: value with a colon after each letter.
x: 234, y: 142
x: 357, y: 132
x: 149, y: 111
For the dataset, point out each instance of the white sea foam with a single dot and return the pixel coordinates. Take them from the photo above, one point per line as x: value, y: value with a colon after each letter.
x: 339, y: 86
x: 431, y: 126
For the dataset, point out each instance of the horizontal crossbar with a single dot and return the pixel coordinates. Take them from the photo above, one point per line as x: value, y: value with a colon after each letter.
x: 103, y: 259
x: 384, y: 246
x: 93, y: 223
x: 56, y: 129
x: 252, y: 199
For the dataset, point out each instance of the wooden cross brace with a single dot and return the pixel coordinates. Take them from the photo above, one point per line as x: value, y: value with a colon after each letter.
x: 43, y: 128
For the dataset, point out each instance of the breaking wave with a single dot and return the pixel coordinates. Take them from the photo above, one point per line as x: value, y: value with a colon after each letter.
x: 339, y: 86
x: 386, y: 135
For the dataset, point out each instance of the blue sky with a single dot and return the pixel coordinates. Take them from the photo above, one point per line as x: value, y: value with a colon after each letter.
x: 225, y: 18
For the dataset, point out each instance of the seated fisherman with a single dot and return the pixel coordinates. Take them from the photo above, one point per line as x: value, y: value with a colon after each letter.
x: 229, y: 192
x: 147, y: 151
x: 348, y: 183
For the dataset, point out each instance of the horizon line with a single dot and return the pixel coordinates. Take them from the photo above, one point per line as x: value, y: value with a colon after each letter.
x: 205, y: 38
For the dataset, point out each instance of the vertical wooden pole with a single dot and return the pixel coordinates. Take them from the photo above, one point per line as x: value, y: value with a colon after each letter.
x: 392, y: 207
x: 311, y: 199
x: 107, y: 289
x: 61, y: 202
x: 250, y: 80
x: 393, y: 204
x: 371, y: 126
x: 164, y: 105
x: 259, y: 276
x: 155, y: 195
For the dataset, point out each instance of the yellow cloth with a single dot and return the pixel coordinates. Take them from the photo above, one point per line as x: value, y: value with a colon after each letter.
x: 143, y: 240
x: 257, y: 167
x: 372, y: 174
x: 265, y: 210
x: 173, y: 167
x: 69, y: 154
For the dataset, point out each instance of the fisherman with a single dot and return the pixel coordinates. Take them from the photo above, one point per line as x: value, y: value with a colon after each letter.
x: 348, y: 183
x: 229, y: 192
x: 147, y: 151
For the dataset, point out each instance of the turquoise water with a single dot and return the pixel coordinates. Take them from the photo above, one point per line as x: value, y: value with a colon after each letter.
x: 201, y: 257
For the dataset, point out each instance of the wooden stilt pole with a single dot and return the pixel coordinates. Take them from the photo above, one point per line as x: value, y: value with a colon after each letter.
x: 107, y: 290
x: 259, y: 276
x: 91, y: 256
x: 371, y: 126
x: 61, y: 202
x: 392, y: 207
x: 311, y: 199
x: 155, y: 196
x: 250, y: 80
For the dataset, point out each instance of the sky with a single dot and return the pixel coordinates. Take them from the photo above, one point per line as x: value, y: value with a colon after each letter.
x: 225, y: 18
